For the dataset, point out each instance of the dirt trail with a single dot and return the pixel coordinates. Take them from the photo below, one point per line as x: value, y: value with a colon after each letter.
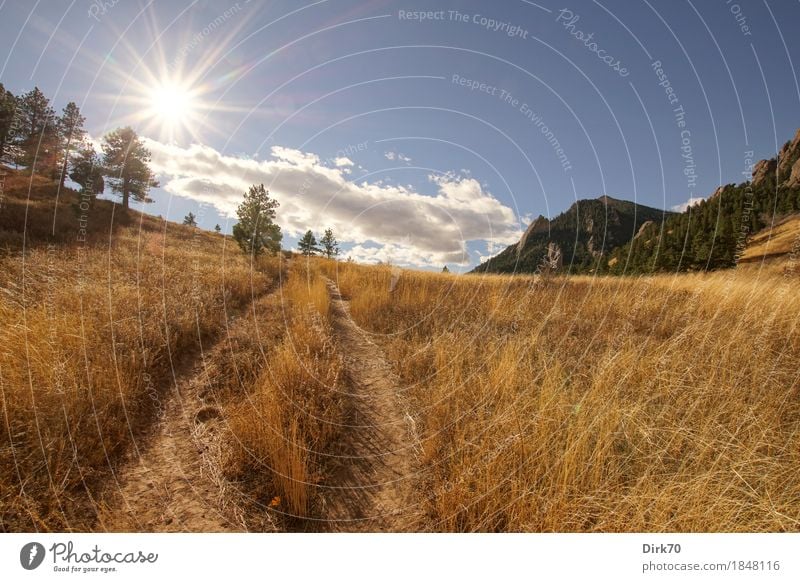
x: 375, y: 470
x: 175, y: 485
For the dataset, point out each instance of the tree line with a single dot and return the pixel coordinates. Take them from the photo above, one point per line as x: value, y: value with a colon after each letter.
x: 309, y: 246
x: 707, y: 236
x: 33, y: 137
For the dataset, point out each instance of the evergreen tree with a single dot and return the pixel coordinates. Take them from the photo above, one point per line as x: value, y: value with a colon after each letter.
x: 445, y: 269
x: 308, y: 244
x: 70, y: 128
x: 190, y: 219
x: 709, y: 235
x: 330, y: 246
x: 38, y: 137
x: 86, y: 170
x: 126, y: 163
x: 8, y: 129
x: 217, y: 228
x: 256, y: 230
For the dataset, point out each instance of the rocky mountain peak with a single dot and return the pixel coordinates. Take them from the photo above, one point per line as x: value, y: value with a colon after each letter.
x: 541, y: 224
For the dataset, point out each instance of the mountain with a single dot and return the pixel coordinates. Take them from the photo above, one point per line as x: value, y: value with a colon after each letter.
x: 583, y: 236
x: 620, y: 237
x: 716, y: 233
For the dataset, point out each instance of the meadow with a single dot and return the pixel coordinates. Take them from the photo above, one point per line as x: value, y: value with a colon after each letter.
x: 662, y: 403
x: 534, y: 404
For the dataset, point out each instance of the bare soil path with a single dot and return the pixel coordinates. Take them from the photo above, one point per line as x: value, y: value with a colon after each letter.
x: 375, y: 470
x: 175, y: 484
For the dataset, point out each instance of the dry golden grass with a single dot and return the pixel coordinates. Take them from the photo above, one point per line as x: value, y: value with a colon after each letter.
x: 782, y: 239
x: 292, y: 413
x: 583, y: 404
x: 652, y: 404
x: 89, y: 338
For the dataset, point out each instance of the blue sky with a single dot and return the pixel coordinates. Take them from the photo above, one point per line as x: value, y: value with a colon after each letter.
x: 423, y: 141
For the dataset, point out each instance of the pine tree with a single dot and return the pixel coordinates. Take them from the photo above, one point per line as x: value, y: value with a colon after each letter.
x: 217, y: 228
x: 308, y: 244
x: 126, y: 163
x: 70, y: 128
x: 256, y: 230
x: 86, y: 170
x: 8, y: 128
x: 330, y: 246
x: 190, y: 219
x: 38, y: 138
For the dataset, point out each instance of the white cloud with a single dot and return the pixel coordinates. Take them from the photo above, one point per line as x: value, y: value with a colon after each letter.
x: 397, y: 156
x: 397, y: 254
x: 683, y: 206
x: 342, y: 162
x: 382, y: 221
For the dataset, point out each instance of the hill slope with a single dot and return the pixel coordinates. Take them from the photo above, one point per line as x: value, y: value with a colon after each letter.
x: 98, y: 308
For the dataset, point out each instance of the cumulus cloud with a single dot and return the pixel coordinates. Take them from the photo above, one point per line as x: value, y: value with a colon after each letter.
x: 383, y: 222
x: 399, y: 254
x: 683, y: 206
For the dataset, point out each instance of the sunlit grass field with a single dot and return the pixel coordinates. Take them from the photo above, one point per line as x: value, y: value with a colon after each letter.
x: 664, y: 403
x: 91, y: 334
x: 661, y: 403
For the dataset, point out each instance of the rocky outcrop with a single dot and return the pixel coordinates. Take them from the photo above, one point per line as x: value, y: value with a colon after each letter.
x: 642, y: 228
x: 541, y: 224
x: 763, y: 171
x: 717, y: 192
x: 595, y: 252
x: 595, y: 228
x: 787, y: 157
x: 794, y: 176
x: 782, y: 170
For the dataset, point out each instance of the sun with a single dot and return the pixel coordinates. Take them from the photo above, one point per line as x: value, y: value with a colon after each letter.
x: 171, y: 104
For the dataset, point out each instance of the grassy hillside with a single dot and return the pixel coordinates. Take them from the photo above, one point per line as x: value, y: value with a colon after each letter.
x: 94, y: 319
x: 781, y: 241
x: 595, y: 404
